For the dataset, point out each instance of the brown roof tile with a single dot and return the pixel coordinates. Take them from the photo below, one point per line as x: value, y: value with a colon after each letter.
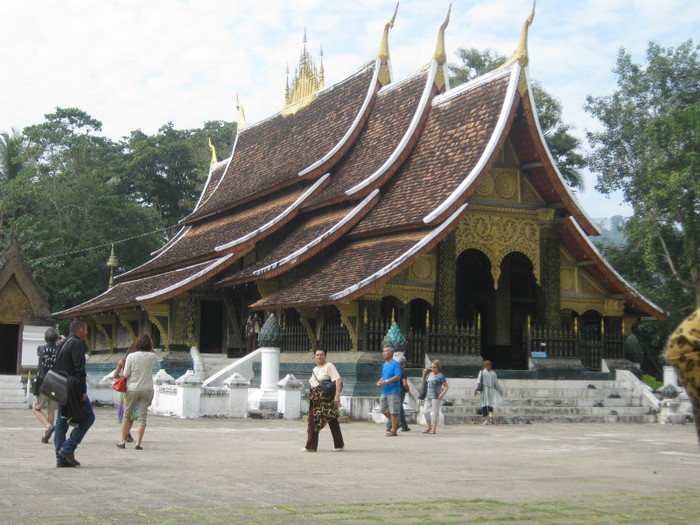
x: 452, y: 142
x: 271, y: 153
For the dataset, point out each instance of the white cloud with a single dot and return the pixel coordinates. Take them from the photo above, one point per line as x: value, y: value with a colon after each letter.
x: 137, y: 65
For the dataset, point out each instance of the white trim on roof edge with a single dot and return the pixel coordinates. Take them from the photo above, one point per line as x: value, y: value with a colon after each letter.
x: 353, y: 126
x: 400, y: 259
x: 172, y: 242
x: 406, y: 136
x: 295, y: 255
x: 490, y: 147
x: 277, y: 219
x: 180, y: 284
x: 551, y: 159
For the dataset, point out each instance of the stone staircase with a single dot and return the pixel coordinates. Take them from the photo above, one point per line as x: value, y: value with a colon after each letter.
x: 553, y: 401
x: 12, y: 392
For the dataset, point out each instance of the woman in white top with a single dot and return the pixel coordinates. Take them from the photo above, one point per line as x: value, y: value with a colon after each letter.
x: 323, y: 408
x: 138, y: 371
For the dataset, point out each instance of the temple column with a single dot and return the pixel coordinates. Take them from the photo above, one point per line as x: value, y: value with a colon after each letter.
x: 549, y: 307
x: 446, y: 294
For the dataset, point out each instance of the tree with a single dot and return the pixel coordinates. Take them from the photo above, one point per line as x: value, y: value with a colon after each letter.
x: 11, y: 155
x: 67, y: 212
x: 561, y: 143
x: 648, y: 148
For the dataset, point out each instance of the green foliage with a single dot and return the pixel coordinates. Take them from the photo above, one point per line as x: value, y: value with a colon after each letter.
x: 562, y: 145
x: 71, y: 193
x: 651, y: 381
x: 649, y: 149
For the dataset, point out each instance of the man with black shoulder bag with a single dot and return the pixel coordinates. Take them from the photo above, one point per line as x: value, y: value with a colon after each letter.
x: 78, y: 410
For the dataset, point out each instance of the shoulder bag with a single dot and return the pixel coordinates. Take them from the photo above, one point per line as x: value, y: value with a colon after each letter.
x: 479, y: 383
x: 327, y: 386
x: 120, y: 384
x: 55, y: 386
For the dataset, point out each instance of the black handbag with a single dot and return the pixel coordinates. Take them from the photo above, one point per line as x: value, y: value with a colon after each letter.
x: 55, y: 386
x: 423, y: 391
x: 36, y: 385
x: 327, y: 386
x: 479, y: 384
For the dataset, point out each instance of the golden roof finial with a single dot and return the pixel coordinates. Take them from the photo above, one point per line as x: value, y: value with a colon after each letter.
x: 383, y: 55
x: 521, y: 56
x: 214, y: 160
x: 242, y: 123
x: 112, y: 262
x: 305, y: 85
x: 440, y: 55
x: 321, y: 79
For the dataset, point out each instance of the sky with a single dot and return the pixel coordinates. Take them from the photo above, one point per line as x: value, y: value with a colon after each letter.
x: 138, y: 64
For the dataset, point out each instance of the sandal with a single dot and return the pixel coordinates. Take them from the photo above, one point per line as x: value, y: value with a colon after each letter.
x: 432, y: 432
x: 390, y: 434
x: 426, y: 431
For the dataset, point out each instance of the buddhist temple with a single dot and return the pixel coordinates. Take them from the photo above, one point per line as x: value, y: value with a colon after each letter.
x: 377, y: 200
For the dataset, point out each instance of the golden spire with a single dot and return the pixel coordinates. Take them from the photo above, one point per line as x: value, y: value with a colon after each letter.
x: 242, y: 123
x: 305, y: 85
x: 214, y: 160
x: 112, y: 262
x: 440, y: 55
x: 383, y: 55
x: 521, y: 56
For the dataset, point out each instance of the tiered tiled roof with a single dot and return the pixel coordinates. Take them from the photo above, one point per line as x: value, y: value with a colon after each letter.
x: 353, y: 188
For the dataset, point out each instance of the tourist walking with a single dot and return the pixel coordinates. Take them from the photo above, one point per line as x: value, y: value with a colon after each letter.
x: 437, y: 388
x: 405, y: 388
x: 138, y: 370
x: 47, y: 360
x: 390, y: 402
x: 118, y: 372
x: 491, y: 392
x: 71, y: 361
x: 323, y: 406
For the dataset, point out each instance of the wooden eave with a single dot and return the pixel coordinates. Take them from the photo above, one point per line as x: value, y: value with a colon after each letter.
x: 578, y: 244
x: 534, y: 153
x: 279, y: 151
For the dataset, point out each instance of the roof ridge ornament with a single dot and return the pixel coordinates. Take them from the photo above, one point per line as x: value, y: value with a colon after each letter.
x: 385, y: 76
x: 242, y: 122
x: 521, y: 55
x: 307, y: 82
x: 214, y: 160
x: 441, y: 80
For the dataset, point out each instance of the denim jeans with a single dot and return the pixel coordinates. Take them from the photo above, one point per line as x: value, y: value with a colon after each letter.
x: 77, y: 434
x: 402, y: 417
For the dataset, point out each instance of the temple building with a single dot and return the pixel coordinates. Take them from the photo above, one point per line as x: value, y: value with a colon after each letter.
x: 376, y: 200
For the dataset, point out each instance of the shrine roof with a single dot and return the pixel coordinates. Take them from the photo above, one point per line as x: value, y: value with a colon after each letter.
x: 275, y: 152
x: 591, y: 261
x: 130, y: 293
x: 397, y: 105
x: 348, y: 270
x: 315, y: 232
x: 237, y: 231
x: 453, y: 143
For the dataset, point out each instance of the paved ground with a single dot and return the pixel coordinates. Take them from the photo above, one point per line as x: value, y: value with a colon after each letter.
x: 251, y: 471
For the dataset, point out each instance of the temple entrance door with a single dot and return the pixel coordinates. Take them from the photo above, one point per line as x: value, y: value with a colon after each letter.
x: 475, y: 295
x: 211, y: 327
x: 518, y: 280
x: 9, y: 348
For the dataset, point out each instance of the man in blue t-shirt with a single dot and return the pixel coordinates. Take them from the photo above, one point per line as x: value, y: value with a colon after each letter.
x: 390, y: 402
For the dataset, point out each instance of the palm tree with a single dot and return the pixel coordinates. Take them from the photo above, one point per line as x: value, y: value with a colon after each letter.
x: 11, y: 157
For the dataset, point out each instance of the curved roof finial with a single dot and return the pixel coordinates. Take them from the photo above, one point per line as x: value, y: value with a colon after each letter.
x: 242, y: 123
x: 383, y: 54
x: 214, y: 160
x: 441, y: 80
x: 521, y: 55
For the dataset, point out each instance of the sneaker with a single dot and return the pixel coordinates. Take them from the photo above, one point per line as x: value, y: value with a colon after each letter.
x: 47, y: 434
x: 69, y: 457
x: 63, y: 464
x: 407, y: 429
x: 121, y: 445
x: 307, y: 450
x: 138, y: 447
x: 129, y: 438
x: 339, y: 449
